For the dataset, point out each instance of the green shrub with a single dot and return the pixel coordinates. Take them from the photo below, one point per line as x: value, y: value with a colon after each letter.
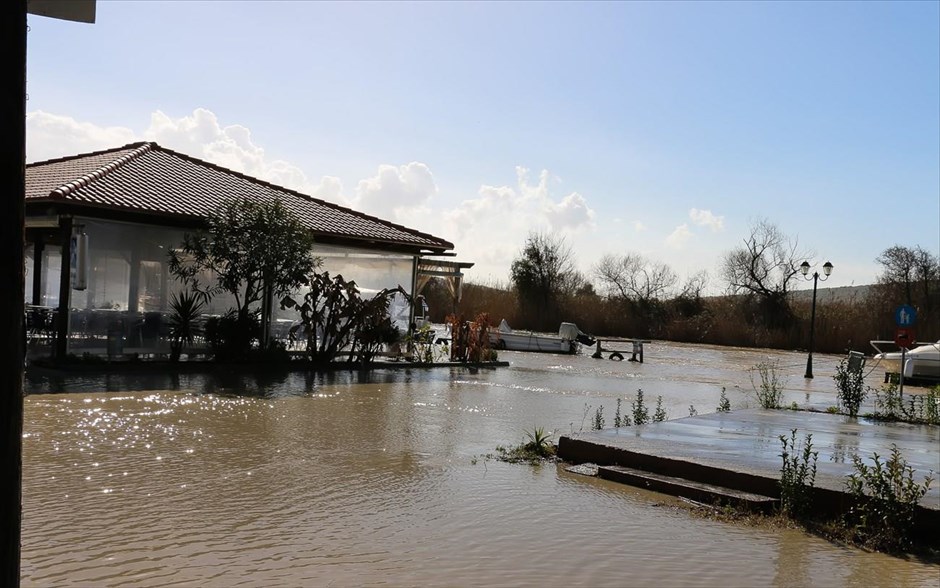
x: 919, y: 408
x: 770, y: 389
x: 641, y: 414
x: 797, y: 475
x: 885, y: 501
x: 660, y: 414
x: 598, y: 422
x: 925, y: 408
x: 850, y: 387
x: 620, y: 419
x: 724, y: 405
x: 233, y: 336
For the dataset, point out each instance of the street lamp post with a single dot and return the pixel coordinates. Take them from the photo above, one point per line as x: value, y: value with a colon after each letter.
x: 827, y: 270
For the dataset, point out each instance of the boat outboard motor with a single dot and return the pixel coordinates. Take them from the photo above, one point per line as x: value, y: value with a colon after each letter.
x: 585, y: 339
x: 571, y: 332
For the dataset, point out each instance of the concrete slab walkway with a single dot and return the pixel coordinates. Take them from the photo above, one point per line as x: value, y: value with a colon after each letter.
x: 741, y: 449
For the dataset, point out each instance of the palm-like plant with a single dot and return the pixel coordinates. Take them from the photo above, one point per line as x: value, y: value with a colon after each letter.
x: 540, y: 442
x: 186, y: 308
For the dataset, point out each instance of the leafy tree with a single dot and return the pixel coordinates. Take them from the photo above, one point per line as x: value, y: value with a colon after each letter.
x: 253, y: 250
x: 543, y: 275
x: 765, y: 266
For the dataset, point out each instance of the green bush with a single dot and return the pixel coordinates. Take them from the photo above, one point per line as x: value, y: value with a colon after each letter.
x: 660, y: 414
x: 641, y: 414
x: 885, y: 501
x: 770, y: 389
x: 919, y: 408
x: 850, y: 387
x: 724, y: 405
x: 797, y: 475
x: 598, y: 422
x: 231, y: 336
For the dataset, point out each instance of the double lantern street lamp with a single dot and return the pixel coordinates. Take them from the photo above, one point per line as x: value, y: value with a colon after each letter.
x: 827, y: 270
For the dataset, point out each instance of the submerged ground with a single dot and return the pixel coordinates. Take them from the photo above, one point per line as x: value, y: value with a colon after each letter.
x: 354, y: 480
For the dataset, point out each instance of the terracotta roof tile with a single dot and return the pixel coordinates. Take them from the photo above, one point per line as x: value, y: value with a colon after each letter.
x: 147, y: 177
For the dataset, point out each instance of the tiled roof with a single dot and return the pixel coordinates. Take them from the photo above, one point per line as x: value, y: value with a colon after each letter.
x: 144, y: 177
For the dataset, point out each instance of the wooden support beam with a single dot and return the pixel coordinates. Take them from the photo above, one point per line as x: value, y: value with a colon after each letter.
x: 12, y: 238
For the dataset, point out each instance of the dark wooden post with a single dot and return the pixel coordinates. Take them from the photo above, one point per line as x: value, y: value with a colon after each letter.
x: 13, y: 178
x: 65, y: 289
x: 39, y: 248
x: 133, y: 287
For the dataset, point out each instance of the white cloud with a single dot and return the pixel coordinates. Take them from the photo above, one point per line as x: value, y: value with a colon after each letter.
x: 330, y: 188
x: 51, y: 135
x: 638, y: 226
x: 201, y: 136
x: 396, y: 192
x: 678, y: 238
x: 491, y: 228
x: 705, y: 218
x: 572, y: 212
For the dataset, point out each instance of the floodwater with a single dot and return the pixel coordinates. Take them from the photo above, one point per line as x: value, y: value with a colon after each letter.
x: 365, y: 480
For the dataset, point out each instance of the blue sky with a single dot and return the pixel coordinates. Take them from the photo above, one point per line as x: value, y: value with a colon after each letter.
x: 660, y: 128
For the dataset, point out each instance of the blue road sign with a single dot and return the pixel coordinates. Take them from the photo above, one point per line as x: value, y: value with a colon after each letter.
x: 905, y: 316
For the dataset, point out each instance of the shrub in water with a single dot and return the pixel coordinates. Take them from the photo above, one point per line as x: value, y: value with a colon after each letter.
x: 724, y: 405
x: 886, y: 498
x: 660, y: 414
x: 850, y: 387
x: 641, y: 414
x: 888, y: 403
x: 598, y: 423
x: 618, y: 421
x: 797, y: 475
x: 770, y: 389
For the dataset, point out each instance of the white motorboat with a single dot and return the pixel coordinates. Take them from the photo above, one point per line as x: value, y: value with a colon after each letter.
x: 922, y: 362
x: 566, y: 341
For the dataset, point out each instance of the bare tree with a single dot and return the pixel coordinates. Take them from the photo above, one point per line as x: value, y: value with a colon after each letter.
x: 632, y: 277
x: 908, y: 269
x: 911, y: 274
x: 765, y: 266
x: 899, y: 265
x: 694, y: 286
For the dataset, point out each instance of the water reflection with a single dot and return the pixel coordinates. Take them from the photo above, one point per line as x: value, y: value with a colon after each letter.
x: 358, y: 479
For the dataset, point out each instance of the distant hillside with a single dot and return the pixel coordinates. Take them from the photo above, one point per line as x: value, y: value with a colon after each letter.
x: 840, y: 294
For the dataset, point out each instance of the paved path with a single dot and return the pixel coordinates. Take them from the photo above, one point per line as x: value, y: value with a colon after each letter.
x: 747, y: 441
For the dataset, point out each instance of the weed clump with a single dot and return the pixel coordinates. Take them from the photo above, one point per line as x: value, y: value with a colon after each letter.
x: 770, y: 389
x: 536, y: 449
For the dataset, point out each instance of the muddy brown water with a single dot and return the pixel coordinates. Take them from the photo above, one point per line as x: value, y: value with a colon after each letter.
x: 364, y: 480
